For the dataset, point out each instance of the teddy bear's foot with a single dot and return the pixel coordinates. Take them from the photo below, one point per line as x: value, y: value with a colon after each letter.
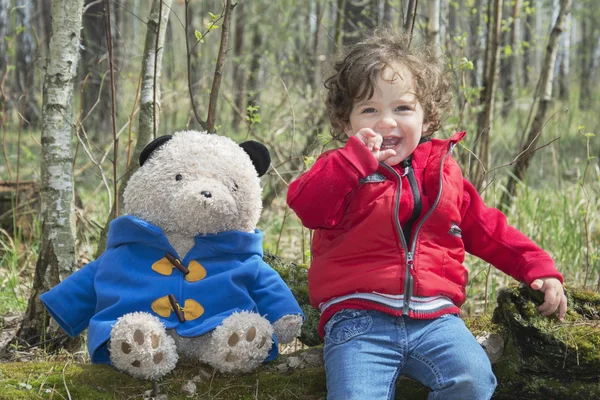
x: 240, y: 343
x: 140, y: 346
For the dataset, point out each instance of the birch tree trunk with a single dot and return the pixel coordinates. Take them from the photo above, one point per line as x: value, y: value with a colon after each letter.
x: 57, y: 250
x: 433, y: 22
x: 149, y: 110
x: 545, y: 101
x: 485, y: 119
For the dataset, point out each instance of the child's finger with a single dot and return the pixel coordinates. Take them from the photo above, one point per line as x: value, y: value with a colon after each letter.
x: 378, y: 139
x: 551, y: 302
x: 385, y: 154
x: 562, y: 308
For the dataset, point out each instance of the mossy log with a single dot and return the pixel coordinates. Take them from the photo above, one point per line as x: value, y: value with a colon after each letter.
x: 533, y: 358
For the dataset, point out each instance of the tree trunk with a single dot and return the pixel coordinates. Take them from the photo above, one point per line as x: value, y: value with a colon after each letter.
x: 339, y: 23
x: 57, y: 249
x: 545, y: 100
x: 388, y: 16
x: 318, y: 48
x: 477, y: 38
x: 149, y: 114
x: 24, y: 63
x: 485, y: 119
x: 510, y: 63
x: 253, y: 93
x: 433, y: 22
x: 238, y: 70
x: 359, y: 18
x: 563, y: 61
x: 96, y: 99
x: 4, y: 20
x: 528, y: 43
x: 586, y: 54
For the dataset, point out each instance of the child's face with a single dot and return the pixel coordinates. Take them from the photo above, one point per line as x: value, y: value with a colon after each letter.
x: 393, y: 112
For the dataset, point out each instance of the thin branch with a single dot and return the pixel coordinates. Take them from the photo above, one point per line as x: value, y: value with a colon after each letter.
x: 114, y: 105
x: 287, y: 93
x: 97, y: 98
x: 90, y: 5
x: 214, y: 92
x: 411, y: 13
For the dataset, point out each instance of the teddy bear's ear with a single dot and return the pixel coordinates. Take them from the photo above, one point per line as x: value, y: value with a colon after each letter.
x: 258, y: 154
x: 153, y: 145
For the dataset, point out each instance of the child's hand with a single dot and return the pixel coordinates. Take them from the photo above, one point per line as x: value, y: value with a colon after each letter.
x: 554, y: 296
x: 373, y: 140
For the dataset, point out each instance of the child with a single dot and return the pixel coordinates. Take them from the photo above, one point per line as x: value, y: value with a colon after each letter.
x: 393, y: 217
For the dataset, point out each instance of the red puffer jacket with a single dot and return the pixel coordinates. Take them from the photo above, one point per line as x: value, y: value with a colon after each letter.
x: 353, y: 203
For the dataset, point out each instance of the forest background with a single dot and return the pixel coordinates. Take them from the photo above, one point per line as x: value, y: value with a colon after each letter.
x: 525, y: 89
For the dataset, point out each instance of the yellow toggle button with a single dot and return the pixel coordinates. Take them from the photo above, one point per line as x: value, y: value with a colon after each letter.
x: 191, y: 309
x: 163, y: 266
x: 197, y: 272
x: 162, y: 307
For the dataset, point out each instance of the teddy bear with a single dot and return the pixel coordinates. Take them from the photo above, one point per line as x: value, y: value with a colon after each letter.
x: 182, y: 273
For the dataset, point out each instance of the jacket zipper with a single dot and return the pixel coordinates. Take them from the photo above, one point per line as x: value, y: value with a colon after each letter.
x: 408, y: 281
x: 409, y: 172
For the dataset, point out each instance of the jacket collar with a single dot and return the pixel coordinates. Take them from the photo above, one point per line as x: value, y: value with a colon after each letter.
x: 129, y: 229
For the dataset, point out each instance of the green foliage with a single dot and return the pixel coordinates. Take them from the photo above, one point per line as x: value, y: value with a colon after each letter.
x: 252, y: 115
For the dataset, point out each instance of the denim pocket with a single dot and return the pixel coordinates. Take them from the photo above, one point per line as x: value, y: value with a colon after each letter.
x: 346, y: 324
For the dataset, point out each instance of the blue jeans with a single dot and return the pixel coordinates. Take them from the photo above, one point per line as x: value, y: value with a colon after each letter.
x: 366, y: 351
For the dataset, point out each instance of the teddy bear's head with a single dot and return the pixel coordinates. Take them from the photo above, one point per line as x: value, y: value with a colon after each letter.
x: 197, y: 183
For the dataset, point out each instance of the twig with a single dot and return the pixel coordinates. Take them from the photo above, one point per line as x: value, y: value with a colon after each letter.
x: 285, y: 215
x: 97, y: 98
x: 93, y: 160
x: 113, y: 104
x: 214, y: 92
x: 287, y: 94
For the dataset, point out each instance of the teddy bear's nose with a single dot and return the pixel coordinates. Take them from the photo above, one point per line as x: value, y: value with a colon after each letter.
x: 206, y: 194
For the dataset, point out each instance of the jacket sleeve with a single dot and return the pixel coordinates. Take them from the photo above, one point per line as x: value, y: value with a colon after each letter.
x: 72, y: 303
x: 318, y: 197
x: 272, y: 296
x: 487, y: 235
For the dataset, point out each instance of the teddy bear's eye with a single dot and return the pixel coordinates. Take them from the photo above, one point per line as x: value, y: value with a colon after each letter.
x: 235, y: 187
x: 178, y: 177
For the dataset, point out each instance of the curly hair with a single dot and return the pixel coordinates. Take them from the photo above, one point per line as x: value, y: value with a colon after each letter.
x: 357, y: 70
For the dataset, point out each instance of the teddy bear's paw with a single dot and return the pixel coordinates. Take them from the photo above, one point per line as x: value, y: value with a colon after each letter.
x: 140, y: 346
x: 287, y: 328
x: 240, y: 343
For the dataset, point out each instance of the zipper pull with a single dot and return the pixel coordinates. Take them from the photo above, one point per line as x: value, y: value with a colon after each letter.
x: 407, y: 166
x: 410, y: 261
